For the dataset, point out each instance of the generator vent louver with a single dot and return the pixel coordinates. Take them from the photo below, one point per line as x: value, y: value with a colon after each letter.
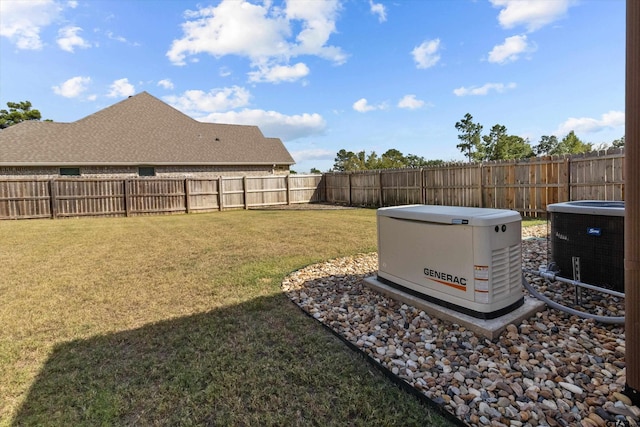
x: 507, y: 270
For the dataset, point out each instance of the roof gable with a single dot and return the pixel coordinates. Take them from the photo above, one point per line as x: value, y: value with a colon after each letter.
x: 139, y: 130
x: 143, y: 106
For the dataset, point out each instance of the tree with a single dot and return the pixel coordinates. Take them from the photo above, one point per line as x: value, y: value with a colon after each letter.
x: 498, y: 145
x: 346, y: 161
x: 571, y: 144
x: 315, y: 171
x: 618, y: 142
x: 492, y: 143
x: 515, y: 147
x: 18, y: 112
x: 392, y: 159
x: 371, y: 161
x: 413, y: 161
x: 470, y: 137
x: 547, y: 145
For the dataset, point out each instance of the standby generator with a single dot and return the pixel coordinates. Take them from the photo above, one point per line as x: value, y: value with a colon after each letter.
x: 467, y: 259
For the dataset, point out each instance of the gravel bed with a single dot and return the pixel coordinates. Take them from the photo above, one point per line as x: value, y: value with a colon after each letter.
x: 552, y: 369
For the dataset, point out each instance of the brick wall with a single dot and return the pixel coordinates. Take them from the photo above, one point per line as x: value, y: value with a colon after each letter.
x: 132, y: 171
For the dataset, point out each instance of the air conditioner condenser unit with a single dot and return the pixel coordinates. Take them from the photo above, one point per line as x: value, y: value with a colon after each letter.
x: 466, y: 259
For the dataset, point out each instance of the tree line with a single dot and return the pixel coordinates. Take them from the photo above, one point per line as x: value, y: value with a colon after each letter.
x: 476, y: 147
x: 390, y: 159
x: 499, y: 145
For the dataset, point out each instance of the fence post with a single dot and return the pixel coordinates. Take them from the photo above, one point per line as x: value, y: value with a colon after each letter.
x: 349, y: 175
x: 53, y: 200
x: 423, y: 190
x: 288, y: 186
x: 187, y: 196
x: 127, y: 201
x: 220, y: 194
x: 244, y: 190
x: 381, y: 189
x: 481, y: 186
x: 323, y: 181
x: 567, y: 162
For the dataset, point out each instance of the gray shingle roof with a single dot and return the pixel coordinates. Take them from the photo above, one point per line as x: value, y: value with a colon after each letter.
x: 140, y: 130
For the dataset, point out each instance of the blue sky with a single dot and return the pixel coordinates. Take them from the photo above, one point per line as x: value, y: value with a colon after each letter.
x: 326, y: 75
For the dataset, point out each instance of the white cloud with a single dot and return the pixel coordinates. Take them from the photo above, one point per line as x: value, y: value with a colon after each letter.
x: 197, y: 101
x: 612, y: 119
x: 68, y: 39
x: 410, y: 102
x: 232, y: 27
x: 115, y: 37
x: 483, y: 90
x: 378, y: 9
x: 22, y: 21
x: 363, y: 106
x: 166, y: 83
x: 121, y: 88
x: 264, y: 34
x: 279, y: 73
x: 312, y: 154
x: 533, y: 14
x: 426, y: 55
x: 112, y: 36
x: 272, y: 123
x: 511, y: 49
x: 72, y: 88
x: 318, y: 23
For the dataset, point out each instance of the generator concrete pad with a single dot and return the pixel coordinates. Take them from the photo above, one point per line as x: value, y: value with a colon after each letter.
x: 489, y: 328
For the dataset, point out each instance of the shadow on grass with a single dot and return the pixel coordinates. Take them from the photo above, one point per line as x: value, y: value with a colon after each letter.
x: 258, y: 363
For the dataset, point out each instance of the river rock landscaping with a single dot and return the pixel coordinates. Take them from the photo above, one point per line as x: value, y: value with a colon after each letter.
x: 552, y: 369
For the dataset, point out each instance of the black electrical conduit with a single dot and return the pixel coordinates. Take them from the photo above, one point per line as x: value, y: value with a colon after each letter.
x: 564, y: 308
x: 403, y: 385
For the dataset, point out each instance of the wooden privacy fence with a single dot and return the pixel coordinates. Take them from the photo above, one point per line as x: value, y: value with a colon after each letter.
x: 526, y: 186
x: 72, y: 197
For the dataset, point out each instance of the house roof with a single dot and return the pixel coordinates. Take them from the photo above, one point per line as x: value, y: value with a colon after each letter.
x: 140, y: 130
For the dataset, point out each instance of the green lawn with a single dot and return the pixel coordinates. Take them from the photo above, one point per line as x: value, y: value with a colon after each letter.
x: 180, y: 320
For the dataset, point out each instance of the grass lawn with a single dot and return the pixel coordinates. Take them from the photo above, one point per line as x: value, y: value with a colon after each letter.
x: 179, y: 320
